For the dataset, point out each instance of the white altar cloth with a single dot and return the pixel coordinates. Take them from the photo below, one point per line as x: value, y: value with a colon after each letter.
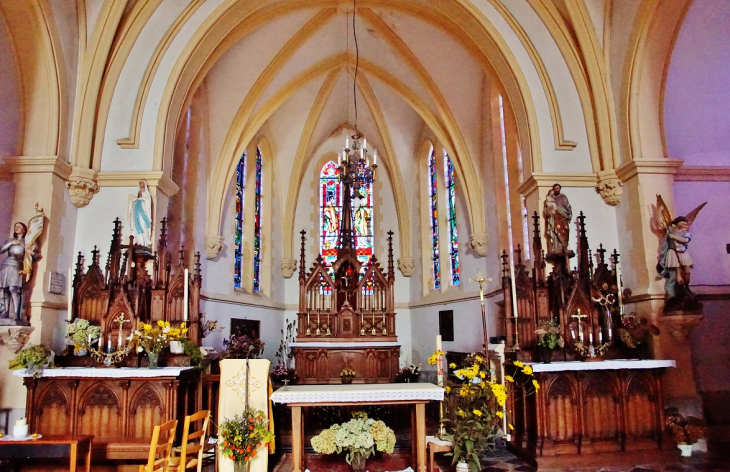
x: 122, y: 372
x: 358, y: 393
x: 336, y: 345
x: 615, y: 364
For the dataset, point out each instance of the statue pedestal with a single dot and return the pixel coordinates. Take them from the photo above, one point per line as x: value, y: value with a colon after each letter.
x: 12, y: 322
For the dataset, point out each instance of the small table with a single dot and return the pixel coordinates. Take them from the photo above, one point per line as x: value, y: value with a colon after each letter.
x: 50, y: 447
x: 417, y: 394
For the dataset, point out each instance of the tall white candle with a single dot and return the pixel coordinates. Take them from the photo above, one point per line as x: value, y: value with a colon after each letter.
x: 70, y: 295
x: 439, y: 362
x: 620, y: 289
x: 590, y: 337
x: 375, y: 158
x: 186, y: 296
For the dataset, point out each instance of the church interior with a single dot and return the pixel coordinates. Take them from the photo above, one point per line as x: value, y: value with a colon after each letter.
x: 362, y: 185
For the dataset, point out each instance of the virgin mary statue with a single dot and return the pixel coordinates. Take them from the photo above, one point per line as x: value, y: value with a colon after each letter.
x: 140, y: 215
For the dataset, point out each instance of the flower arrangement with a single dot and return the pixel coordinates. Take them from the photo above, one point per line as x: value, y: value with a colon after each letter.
x: 475, y: 406
x: 635, y: 332
x: 208, y: 326
x: 684, y: 430
x: 360, y: 437
x: 192, y: 351
x: 242, y: 347
x: 408, y: 374
x: 347, y: 373
x: 241, y: 436
x: 154, y: 338
x: 82, y: 333
x: 548, y: 335
x: 32, y: 359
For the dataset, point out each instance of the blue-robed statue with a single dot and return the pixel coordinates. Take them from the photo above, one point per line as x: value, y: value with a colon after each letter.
x: 140, y: 215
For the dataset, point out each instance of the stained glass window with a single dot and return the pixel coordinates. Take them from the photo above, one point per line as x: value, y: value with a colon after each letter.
x: 451, y: 222
x: 330, y: 202
x: 433, y: 193
x: 240, y: 184
x: 257, y: 225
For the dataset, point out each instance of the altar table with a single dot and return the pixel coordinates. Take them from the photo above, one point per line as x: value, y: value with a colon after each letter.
x: 50, y: 447
x: 417, y: 394
x: 589, y: 407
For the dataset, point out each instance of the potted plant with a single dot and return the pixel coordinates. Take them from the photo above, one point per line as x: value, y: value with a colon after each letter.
x: 548, y: 338
x: 153, y: 339
x: 282, y: 370
x: 360, y: 437
x: 346, y: 375
x: 83, y: 335
x: 475, y: 408
x: 32, y: 359
x: 242, y: 347
x: 685, y: 430
x: 635, y: 333
x: 408, y: 374
x: 241, y: 437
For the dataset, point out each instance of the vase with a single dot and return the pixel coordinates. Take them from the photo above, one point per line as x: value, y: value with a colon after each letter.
x: 357, y: 461
x: 176, y: 347
x: 240, y: 466
x: 346, y: 380
x: 641, y: 351
x: 80, y: 351
x: 154, y: 359
x: 686, y: 449
x: 545, y: 354
x: 462, y: 466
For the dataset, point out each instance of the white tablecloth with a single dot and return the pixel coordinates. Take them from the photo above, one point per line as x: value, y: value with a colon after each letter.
x: 92, y: 372
x: 601, y: 365
x: 357, y: 393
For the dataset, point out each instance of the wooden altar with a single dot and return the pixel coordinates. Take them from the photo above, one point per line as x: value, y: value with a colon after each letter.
x: 346, y: 316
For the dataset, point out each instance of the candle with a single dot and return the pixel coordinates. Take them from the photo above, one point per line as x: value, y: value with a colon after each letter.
x: 600, y: 337
x: 70, y: 296
x: 339, y: 158
x: 89, y: 341
x: 572, y: 333
x: 186, y: 296
x: 439, y: 362
x: 364, y: 143
x: 375, y: 158
x: 590, y: 337
x: 618, y: 286
x: 347, y: 143
x: 109, y: 344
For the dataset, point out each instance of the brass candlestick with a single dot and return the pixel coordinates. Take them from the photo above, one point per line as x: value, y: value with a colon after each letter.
x: 372, y: 322
x: 309, y: 332
x: 328, y: 333
x: 362, y: 322
x: 385, y: 330
x: 319, y: 333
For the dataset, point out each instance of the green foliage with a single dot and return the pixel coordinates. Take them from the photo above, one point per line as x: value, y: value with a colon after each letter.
x: 82, y: 333
x: 192, y: 351
x: 32, y: 359
x: 361, y: 435
x: 241, y: 436
x: 548, y: 335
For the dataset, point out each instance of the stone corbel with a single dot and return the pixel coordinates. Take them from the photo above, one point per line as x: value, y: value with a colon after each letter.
x: 680, y: 326
x: 288, y: 266
x: 609, y: 187
x: 82, y: 186
x: 405, y: 266
x: 15, y: 337
x: 478, y: 242
x: 213, y: 245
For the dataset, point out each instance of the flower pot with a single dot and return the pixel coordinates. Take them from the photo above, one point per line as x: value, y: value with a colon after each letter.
x: 357, y: 461
x: 546, y: 354
x: 240, y: 466
x: 154, y: 359
x: 641, y: 351
x: 462, y: 466
x: 80, y: 351
x: 346, y: 380
x: 686, y: 449
x: 176, y: 347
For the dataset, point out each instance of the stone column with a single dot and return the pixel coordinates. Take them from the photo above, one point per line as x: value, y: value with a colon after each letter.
x: 640, y: 237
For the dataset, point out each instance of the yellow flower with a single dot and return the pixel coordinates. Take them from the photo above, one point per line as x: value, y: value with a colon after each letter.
x: 518, y: 364
x: 509, y: 378
x: 433, y: 359
x: 464, y: 391
x: 482, y: 375
x: 537, y: 385
x: 500, y: 414
x: 182, y: 325
x: 160, y: 323
x: 478, y: 359
x: 470, y: 374
x: 452, y: 366
x: 460, y: 412
x: 477, y: 412
x: 510, y: 426
x: 448, y: 389
x: 527, y: 370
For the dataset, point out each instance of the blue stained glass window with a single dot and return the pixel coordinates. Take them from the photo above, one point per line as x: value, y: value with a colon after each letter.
x: 433, y: 193
x: 240, y: 184
x: 257, y: 226
x: 451, y: 200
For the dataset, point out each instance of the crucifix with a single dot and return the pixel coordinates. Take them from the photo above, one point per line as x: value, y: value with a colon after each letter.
x: 481, y: 280
x: 578, y: 316
x: 121, y: 320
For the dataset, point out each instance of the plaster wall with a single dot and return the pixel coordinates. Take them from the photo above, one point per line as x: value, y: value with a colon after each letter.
x: 11, y: 113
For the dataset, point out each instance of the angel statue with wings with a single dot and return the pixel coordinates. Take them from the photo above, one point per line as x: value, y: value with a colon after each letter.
x: 675, y: 264
x: 17, y: 267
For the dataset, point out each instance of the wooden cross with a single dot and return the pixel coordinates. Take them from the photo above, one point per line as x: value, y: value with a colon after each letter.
x: 481, y: 280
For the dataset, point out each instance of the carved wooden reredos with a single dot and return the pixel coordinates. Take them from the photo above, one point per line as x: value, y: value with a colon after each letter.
x: 125, y: 286
x: 358, y: 297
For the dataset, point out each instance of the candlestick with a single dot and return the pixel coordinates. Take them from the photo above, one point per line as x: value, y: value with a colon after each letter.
x: 186, y: 297
x: 318, y: 332
x: 385, y: 330
x: 329, y: 333
x: 70, y: 296
x: 362, y: 322
x: 372, y: 322
x: 309, y: 332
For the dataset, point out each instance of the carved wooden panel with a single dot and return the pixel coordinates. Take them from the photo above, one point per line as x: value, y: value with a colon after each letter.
x: 100, y: 412
x: 146, y: 411
x: 601, y: 409
x: 322, y: 365
x: 562, y: 416
x: 640, y: 409
x: 54, y: 410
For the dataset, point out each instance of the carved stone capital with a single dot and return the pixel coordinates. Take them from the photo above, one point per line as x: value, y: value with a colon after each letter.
x: 478, y: 242
x: 15, y: 337
x: 288, y: 266
x: 680, y: 326
x: 82, y: 186
x: 609, y: 187
x: 405, y: 266
x: 213, y: 245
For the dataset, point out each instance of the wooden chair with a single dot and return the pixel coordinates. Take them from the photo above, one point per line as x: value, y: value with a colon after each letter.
x: 193, y: 444
x: 162, y: 464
